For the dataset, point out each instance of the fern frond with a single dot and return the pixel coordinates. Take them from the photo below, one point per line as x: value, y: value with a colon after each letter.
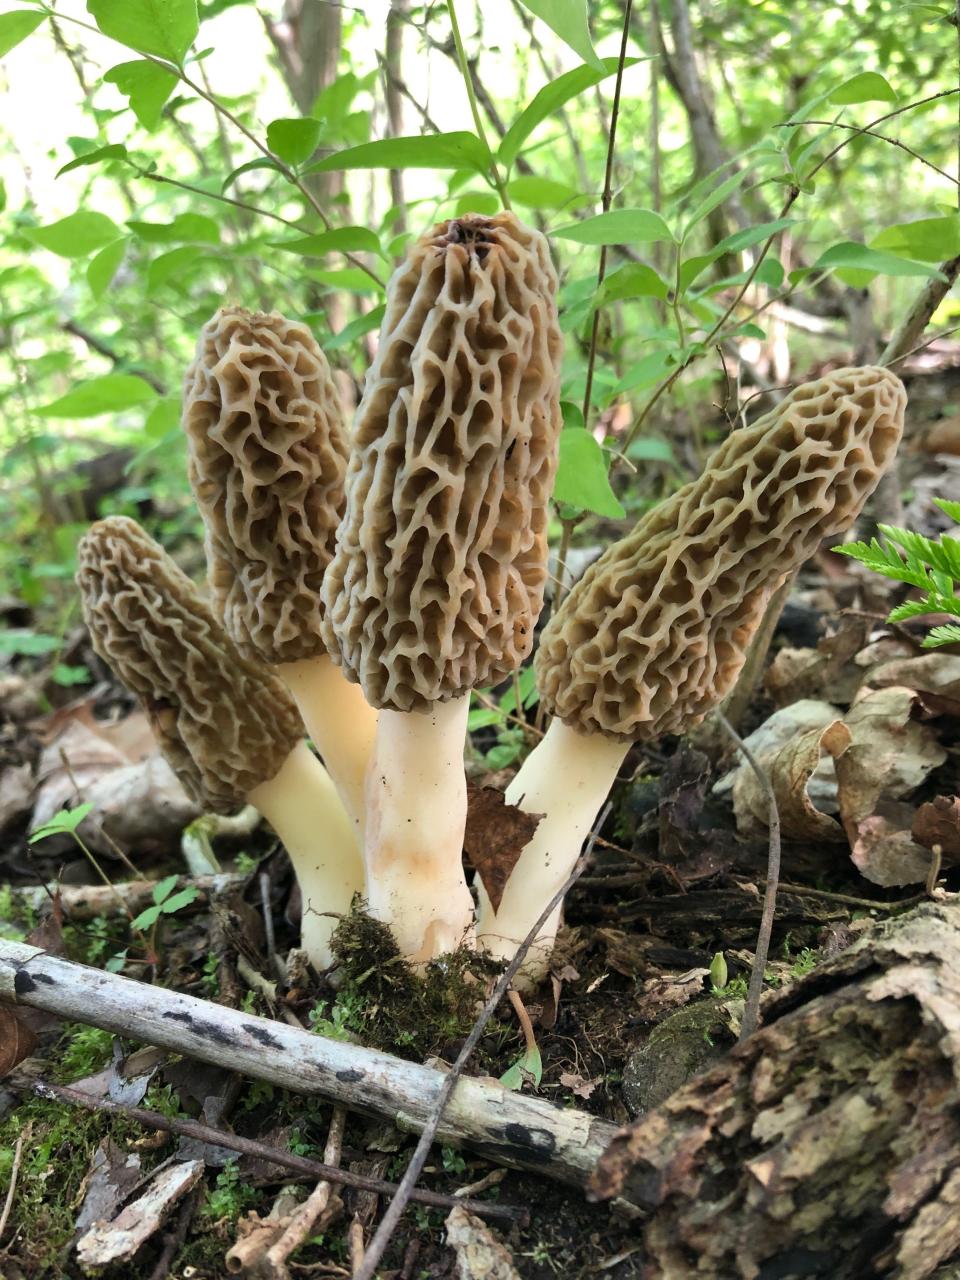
x: 949, y: 633
x: 952, y: 509
x: 911, y: 609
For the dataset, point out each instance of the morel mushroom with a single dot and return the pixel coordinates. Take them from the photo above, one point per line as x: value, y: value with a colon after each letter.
x: 441, y: 557
x: 228, y: 728
x: 268, y: 457
x: 656, y: 632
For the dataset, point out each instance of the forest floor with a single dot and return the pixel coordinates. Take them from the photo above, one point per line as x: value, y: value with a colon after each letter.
x: 638, y: 1003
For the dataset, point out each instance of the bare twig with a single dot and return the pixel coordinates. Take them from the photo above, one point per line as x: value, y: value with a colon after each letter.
x: 305, y: 1216
x: 263, y: 1151
x: 419, y: 1158
x: 751, y: 1011
x: 14, y: 1175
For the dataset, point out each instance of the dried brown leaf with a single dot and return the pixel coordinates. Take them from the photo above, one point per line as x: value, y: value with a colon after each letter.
x: 17, y: 1041
x: 481, y: 1255
x: 938, y: 822
x: 496, y: 834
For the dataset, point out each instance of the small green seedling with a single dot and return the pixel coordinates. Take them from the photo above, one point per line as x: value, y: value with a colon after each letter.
x: 165, y: 902
x: 64, y: 823
x: 526, y: 1070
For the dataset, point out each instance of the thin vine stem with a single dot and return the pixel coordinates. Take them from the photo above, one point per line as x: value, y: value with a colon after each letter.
x: 495, y: 174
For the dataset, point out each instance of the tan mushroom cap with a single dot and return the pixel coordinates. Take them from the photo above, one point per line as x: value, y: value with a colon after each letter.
x: 224, y: 723
x: 268, y: 458
x: 656, y: 632
x: 441, y: 558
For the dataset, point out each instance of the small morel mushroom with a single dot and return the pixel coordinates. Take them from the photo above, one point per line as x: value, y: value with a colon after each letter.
x: 441, y: 557
x: 228, y: 728
x: 268, y: 458
x: 655, y: 633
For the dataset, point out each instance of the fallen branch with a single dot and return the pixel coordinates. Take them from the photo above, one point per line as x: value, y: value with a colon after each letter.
x: 263, y: 1151
x: 829, y: 1142
x: 508, y: 1128
x: 87, y: 901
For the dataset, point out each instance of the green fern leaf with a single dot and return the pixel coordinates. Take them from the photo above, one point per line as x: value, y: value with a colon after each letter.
x: 949, y: 633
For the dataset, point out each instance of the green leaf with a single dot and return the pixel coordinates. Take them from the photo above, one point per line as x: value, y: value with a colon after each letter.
x: 868, y: 86
x: 550, y: 99
x: 102, y: 268
x: 76, y: 235
x: 164, y: 417
x: 635, y: 280
x: 163, y: 888
x: 647, y: 371
x: 181, y: 899
x: 190, y: 228
x: 28, y: 643
x: 340, y: 240
x: 948, y: 633
x: 165, y: 28
x: 929, y: 239
x: 431, y: 151
x: 543, y: 193
x: 148, y: 917
x: 115, y: 151
x: 147, y: 87
x: 582, y: 475
x: 568, y: 20
x: 951, y: 509
x: 618, y: 226
x: 356, y: 329
x: 527, y: 1068
x: 651, y: 449
x: 261, y: 163
x: 16, y: 26
x: 294, y: 140
x: 740, y: 240
x: 350, y: 278
x: 63, y: 823
x: 109, y: 394
x: 849, y: 254
x: 713, y: 199
x: 169, y: 266
x: 66, y: 675
x: 486, y: 202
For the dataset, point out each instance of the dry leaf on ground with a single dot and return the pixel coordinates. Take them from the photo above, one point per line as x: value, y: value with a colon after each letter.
x: 938, y: 822
x: 495, y: 836
x: 481, y: 1255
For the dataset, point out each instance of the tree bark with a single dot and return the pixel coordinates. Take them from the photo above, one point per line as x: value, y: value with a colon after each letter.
x: 828, y: 1144
x: 508, y: 1128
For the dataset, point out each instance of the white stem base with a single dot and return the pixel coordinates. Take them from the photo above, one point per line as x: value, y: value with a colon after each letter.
x: 416, y: 814
x: 566, y: 777
x: 302, y: 806
x: 340, y: 722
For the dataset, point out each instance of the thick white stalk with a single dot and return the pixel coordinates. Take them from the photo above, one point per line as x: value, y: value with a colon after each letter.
x: 416, y: 814
x: 340, y: 722
x: 302, y: 806
x: 566, y: 777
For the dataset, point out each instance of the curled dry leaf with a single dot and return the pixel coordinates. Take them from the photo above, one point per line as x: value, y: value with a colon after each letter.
x: 112, y: 1175
x: 829, y: 671
x: 884, y: 851
x: 17, y: 1041
x: 938, y: 822
x: 790, y: 771
x: 936, y: 674
x: 481, y: 1255
x: 495, y: 836
x: 575, y: 1082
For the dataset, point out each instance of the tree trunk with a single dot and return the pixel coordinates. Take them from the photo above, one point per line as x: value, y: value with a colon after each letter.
x: 828, y: 1144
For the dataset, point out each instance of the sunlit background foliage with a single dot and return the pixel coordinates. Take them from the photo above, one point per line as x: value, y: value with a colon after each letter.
x: 157, y: 161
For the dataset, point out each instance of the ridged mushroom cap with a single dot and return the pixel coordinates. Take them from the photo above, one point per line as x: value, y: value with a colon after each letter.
x: 655, y: 633
x: 268, y: 459
x: 441, y: 558
x: 224, y: 723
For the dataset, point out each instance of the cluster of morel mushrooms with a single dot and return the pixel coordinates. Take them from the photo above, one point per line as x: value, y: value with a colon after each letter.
x: 362, y: 584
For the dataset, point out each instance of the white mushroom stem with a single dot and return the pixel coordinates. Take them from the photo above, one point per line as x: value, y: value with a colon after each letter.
x: 340, y: 722
x: 302, y: 806
x: 416, y: 814
x: 567, y: 778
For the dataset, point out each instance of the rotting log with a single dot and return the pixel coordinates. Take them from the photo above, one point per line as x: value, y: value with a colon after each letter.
x: 507, y: 1127
x: 87, y: 901
x: 828, y: 1144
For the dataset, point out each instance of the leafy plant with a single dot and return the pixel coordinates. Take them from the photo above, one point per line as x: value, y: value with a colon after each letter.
x: 933, y: 567
x: 165, y: 902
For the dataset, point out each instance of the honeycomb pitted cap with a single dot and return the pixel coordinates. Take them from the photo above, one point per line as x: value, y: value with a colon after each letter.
x: 441, y: 559
x: 268, y: 458
x: 655, y: 633
x: 224, y: 722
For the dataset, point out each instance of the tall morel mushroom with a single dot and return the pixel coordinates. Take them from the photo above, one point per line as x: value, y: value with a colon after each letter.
x: 441, y: 557
x: 656, y: 632
x: 268, y: 458
x: 228, y: 728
